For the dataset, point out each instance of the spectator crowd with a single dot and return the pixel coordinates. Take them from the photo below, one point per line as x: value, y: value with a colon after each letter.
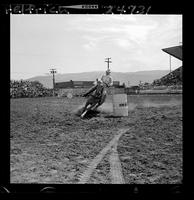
x: 171, y: 79
x: 20, y: 89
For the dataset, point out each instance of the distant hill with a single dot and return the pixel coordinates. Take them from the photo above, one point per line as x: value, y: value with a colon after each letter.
x: 124, y: 77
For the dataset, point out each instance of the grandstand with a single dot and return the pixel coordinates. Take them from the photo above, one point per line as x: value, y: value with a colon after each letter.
x: 171, y: 79
x: 175, y: 51
x: 174, y: 78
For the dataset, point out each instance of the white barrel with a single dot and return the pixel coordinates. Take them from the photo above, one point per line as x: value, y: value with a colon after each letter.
x: 120, y: 105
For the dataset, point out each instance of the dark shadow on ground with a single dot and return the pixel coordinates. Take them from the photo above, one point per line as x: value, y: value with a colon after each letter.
x: 112, y: 116
x: 91, y: 113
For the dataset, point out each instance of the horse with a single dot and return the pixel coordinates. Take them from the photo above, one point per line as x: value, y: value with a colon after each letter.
x: 96, y: 99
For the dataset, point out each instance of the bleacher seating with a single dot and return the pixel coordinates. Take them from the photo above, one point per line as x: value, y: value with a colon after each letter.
x: 171, y: 79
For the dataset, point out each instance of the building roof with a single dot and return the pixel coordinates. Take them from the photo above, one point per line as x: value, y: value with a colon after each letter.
x: 174, y: 51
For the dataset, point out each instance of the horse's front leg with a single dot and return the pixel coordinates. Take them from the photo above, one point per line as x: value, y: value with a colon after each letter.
x: 95, y: 106
x: 85, y: 107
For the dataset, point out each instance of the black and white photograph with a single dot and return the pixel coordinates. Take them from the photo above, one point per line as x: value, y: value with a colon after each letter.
x: 96, y: 99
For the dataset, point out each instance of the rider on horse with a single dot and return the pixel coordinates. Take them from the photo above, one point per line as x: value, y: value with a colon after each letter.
x: 98, y: 92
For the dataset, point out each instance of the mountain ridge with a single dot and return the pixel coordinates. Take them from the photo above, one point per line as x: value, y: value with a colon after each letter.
x: 129, y: 78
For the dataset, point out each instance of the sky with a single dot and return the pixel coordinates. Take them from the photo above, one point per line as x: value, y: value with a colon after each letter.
x: 80, y: 43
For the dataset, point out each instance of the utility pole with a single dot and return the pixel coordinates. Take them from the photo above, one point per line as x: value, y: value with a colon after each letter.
x: 53, y: 71
x: 108, y: 61
x: 170, y: 62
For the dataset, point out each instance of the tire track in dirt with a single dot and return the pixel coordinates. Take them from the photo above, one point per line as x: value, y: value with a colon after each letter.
x: 92, y: 166
x: 115, y: 166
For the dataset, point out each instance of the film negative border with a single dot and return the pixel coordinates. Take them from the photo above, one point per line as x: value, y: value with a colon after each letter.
x: 81, y: 9
x: 76, y: 9
x: 134, y: 189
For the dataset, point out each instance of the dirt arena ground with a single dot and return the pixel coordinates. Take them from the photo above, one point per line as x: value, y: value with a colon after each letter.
x: 51, y: 144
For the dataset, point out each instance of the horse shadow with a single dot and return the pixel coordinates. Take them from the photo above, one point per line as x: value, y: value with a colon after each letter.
x: 90, y: 113
x: 95, y: 113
